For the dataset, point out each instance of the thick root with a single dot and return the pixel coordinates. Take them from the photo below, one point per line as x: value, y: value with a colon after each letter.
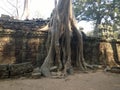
x: 63, y: 29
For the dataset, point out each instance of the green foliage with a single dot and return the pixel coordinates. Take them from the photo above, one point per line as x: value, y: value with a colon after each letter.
x: 89, y: 9
x: 100, y: 11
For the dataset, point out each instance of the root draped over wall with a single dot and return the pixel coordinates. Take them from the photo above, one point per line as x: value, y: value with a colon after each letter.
x: 63, y: 32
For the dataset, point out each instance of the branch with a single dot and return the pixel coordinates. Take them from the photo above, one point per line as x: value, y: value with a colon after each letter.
x: 14, y: 7
x: 6, y: 11
x: 11, y: 4
x: 25, y: 9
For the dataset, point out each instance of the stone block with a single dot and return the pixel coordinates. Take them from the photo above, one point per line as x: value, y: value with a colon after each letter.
x: 20, y: 69
x: 4, y: 72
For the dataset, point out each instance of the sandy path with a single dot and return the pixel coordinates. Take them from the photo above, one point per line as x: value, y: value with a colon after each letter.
x: 90, y: 81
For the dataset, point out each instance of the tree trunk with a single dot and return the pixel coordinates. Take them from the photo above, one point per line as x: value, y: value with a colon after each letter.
x: 25, y: 14
x: 66, y: 45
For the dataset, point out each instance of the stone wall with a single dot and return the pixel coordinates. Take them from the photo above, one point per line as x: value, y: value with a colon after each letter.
x: 20, y: 47
x: 102, y: 52
x: 26, y: 25
x: 24, y: 42
x: 21, y: 42
x: 91, y: 50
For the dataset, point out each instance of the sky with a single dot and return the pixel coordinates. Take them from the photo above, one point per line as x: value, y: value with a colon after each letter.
x: 38, y: 9
x: 88, y: 26
x: 44, y: 7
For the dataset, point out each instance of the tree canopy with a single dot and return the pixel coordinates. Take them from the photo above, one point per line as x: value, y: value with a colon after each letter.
x: 100, y: 11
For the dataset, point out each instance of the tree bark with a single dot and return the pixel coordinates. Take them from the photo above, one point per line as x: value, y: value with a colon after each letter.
x: 25, y: 13
x: 65, y: 40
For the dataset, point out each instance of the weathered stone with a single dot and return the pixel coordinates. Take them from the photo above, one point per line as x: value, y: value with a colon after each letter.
x: 115, y: 70
x: 7, y: 51
x: 22, y: 41
x: 22, y: 25
x: 102, y: 52
x: 20, y: 69
x: 36, y: 75
x: 4, y: 73
x: 91, y: 50
x: 5, y: 17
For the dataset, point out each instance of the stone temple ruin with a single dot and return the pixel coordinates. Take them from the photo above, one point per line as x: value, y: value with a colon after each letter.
x: 23, y: 47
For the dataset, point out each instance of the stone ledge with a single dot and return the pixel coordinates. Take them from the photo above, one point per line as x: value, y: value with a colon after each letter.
x: 13, y: 70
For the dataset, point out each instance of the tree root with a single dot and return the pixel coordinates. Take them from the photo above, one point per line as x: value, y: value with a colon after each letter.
x: 112, y: 69
x: 63, y: 31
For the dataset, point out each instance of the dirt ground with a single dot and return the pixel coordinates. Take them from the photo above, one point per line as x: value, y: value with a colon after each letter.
x: 91, y: 81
